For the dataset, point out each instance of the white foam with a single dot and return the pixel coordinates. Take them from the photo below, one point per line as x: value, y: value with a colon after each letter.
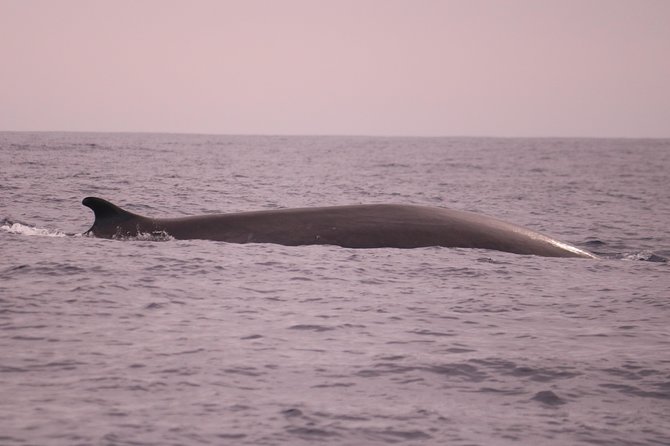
x: 647, y: 256
x: 157, y: 236
x: 18, y: 228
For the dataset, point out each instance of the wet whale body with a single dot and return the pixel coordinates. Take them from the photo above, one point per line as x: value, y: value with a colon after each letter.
x: 356, y: 226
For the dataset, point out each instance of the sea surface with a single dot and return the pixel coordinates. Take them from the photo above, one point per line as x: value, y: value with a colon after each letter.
x: 165, y: 342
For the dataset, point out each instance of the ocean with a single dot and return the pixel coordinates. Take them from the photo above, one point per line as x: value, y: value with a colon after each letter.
x: 168, y: 342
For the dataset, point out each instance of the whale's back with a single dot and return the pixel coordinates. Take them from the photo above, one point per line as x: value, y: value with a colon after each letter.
x: 355, y: 226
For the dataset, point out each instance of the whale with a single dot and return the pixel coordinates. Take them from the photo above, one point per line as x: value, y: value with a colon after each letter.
x: 353, y: 226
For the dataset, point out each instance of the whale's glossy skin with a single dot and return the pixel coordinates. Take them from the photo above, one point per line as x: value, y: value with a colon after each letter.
x: 357, y: 226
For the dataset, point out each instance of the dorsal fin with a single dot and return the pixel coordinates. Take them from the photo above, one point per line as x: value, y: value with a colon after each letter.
x: 103, y: 209
x: 109, y: 218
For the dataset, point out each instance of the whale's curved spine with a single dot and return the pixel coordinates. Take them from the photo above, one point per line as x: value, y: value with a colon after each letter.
x: 355, y: 226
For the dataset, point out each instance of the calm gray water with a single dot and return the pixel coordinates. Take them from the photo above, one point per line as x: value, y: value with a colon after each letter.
x: 196, y: 342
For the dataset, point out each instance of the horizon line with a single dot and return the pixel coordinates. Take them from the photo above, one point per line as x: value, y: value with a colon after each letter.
x: 332, y: 135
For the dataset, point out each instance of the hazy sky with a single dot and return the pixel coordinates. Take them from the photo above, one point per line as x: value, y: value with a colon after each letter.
x: 374, y: 67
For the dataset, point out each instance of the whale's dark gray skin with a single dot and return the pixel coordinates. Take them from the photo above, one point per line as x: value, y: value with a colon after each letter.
x: 357, y: 226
